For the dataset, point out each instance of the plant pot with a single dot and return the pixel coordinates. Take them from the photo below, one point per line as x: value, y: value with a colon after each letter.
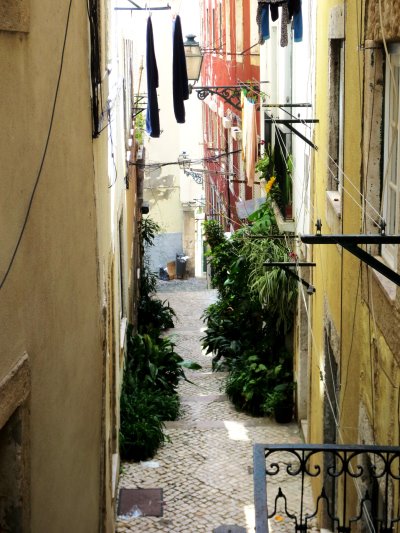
x: 289, y: 212
x: 283, y: 412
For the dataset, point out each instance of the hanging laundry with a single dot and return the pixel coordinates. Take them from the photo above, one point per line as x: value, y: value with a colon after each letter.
x: 180, y: 86
x: 290, y: 9
x: 263, y: 22
x: 249, y: 138
x: 152, y: 115
x: 295, y: 7
x: 274, y: 12
x: 284, y: 24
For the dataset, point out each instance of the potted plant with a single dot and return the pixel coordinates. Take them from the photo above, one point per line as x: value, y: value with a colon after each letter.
x: 265, y: 165
x: 279, y: 402
x: 283, y: 402
x: 288, y: 188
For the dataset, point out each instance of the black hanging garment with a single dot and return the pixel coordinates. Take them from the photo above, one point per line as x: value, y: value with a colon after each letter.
x: 262, y: 21
x: 152, y: 116
x: 180, y: 86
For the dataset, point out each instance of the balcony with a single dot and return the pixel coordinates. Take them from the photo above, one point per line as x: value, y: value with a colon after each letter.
x: 340, y: 488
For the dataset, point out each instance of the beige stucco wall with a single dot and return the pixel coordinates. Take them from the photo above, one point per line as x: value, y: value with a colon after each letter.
x: 51, y: 303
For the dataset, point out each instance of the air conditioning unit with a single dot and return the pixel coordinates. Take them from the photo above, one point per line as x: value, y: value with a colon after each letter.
x: 210, y: 144
x: 236, y: 133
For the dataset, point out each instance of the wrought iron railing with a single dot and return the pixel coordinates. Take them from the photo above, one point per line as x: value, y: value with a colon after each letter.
x: 356, y: 488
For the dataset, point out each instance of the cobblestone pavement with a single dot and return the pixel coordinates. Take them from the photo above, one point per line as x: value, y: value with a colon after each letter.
x: 206, y: 470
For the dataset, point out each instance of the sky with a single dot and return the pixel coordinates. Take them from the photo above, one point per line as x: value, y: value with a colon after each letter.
x: 190, y: 16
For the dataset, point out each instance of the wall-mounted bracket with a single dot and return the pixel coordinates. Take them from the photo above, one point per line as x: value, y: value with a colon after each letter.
x: 288, y: 123
x: 229, y: 93
x: 351, y: 242
x: 196, y: 176
x: 139, y: 106
x: 287, y: 267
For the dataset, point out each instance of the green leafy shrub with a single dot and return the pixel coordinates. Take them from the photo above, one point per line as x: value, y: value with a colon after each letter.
x: 154, y: 315
x: 154, y: 361
x: 281, y: 394
x: 248, y: 384
x: 143, y: 410
x: 152, y: 368
x: 152, y: 373
x: 256, y: 384
x: 265, y: 163
x: 248, y: 325
x: 213, y: 233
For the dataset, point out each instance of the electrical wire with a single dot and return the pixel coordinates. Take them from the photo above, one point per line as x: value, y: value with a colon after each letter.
x: 157, y: 166
x: 43, y: 158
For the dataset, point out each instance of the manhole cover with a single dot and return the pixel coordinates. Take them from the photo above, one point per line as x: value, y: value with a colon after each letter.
x: 134, y: 503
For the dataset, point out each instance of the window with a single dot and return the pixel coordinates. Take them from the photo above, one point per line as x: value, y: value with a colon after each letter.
x: 122, y: 299
x: 220, y: 25
x: 213, y: 45
x: 239, y: 30
x: 391, y: 152
x: 207, y: 29
x: 283, y: 164
x: 336, y: 114
x: 228, y: 31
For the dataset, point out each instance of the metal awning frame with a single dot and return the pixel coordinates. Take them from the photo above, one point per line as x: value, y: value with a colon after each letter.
x: 288, y: 266
x: 351, y: 244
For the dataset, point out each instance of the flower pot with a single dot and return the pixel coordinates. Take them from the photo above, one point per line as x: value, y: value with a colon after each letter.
x: 288, y: 212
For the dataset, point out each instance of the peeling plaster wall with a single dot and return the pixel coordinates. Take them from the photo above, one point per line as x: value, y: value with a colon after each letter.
x: 390, y: 20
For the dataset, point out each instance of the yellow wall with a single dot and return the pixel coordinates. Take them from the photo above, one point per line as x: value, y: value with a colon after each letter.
x: 328, y: 258
x: 336, y: 274
x: 347, y: 295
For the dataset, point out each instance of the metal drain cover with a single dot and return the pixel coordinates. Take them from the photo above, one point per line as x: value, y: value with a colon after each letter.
x: 134, y: 503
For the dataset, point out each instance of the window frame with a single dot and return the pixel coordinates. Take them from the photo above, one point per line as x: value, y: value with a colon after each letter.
x: 336, y: 113
x: 391, y: 145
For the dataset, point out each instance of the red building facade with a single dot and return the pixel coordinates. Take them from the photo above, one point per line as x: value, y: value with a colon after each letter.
x: 231, y: 61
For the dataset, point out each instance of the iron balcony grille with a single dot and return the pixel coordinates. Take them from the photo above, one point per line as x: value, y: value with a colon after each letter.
x: 360, y: 488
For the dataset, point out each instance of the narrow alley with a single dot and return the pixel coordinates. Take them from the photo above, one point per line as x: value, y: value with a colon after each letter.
x: 205, y: 472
